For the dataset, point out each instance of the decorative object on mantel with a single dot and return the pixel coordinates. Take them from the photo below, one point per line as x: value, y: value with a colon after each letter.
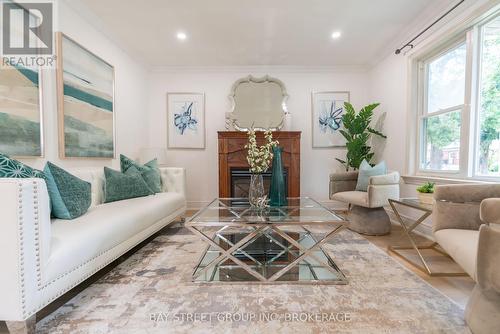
x: 357, y: 132
x: 186, y: 120
x: 258, y: 158
x: 327, y: 112
x: 426, y: 193
x: 257, y: 103
x: 277, y: 193
x: 85, y: 102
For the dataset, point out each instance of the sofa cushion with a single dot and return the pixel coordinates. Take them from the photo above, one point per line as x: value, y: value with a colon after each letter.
x: 149, y: 171
x: 70, y: 196
x: 354, y: 197
x: 104, y: 227
x: 12, y: 168
x: 95, y: 176
x: 119, y: 186
x: 461, y: 245
x: 366, y: 171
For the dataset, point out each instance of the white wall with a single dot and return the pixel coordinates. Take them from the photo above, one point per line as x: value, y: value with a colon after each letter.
x: 202, y: 165
x: 130, y: 94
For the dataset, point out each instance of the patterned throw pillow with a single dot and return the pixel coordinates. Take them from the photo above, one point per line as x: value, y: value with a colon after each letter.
x: 119, y: 186
x: 149, y: 171
x: 366, y: 171
x: 16, y: 169
x: 70, y: 196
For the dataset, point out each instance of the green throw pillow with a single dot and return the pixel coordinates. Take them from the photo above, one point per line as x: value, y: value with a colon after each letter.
x: 70, y: 197
x: 366, y: 171
x: 16, y: 169
x: 119, y: 186
x: 149, y: 171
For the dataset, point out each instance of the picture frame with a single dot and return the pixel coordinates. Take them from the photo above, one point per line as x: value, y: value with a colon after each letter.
x: 186, y: 120
x: 21, y: 107
x: 327, y: 109
x: 86, y: 102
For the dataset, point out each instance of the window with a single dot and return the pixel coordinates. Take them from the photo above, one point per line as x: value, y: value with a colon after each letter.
x: 459, y: 107
x: 488, y: 152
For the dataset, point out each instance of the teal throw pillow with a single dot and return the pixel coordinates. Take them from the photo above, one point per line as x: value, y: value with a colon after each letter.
x: 70, y: 196
x: 16, y: 169
x: 149, y: 171
x: 119, y: 186
x: 366, y: 171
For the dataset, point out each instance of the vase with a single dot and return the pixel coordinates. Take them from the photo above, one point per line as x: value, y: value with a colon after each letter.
x: 277, y: 192
x: 256, y: 193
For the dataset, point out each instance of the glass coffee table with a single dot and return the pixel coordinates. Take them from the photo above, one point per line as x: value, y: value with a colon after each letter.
x: 270, y: 245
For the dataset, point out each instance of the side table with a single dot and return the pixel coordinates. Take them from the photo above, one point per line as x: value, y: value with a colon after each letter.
x: 426, y: 211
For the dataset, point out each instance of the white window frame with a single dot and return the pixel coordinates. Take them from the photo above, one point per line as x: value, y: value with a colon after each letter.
x: 470, y: 124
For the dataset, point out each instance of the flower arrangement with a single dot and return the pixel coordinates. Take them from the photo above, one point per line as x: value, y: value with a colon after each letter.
x: 259, y: 157
x: 426, y: 188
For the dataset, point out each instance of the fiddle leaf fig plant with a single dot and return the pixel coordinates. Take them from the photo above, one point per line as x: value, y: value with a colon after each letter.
x: 357, y: 132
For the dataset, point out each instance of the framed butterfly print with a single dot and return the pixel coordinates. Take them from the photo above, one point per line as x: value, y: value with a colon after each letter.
x: 327, y: 111
x: 186, y: 120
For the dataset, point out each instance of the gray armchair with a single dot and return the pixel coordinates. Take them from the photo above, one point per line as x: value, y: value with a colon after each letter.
x: 466, y: 224
x: 366, y: 213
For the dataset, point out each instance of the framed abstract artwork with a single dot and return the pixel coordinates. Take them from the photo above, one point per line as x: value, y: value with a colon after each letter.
x: 327, y: 110
x: 85, y: 98
x: 186, y: 120
x: 21, y: 117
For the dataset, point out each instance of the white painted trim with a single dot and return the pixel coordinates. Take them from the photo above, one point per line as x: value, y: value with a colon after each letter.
x: 419, y: 179
x: 260, y: 69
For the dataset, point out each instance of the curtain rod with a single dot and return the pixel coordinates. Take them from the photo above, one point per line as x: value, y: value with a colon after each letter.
x: 398, y: 51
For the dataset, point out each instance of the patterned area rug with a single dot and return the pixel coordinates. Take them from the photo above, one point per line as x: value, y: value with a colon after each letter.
x: 151, y: 292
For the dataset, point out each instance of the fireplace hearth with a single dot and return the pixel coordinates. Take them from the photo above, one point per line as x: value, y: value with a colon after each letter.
x: 240, y: 183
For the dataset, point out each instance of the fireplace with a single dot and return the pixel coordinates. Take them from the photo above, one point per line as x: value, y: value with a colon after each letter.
x: 240, y: 182
x: 233, y: 167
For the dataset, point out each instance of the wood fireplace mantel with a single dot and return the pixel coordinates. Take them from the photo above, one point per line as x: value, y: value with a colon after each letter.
x: 232, y: 154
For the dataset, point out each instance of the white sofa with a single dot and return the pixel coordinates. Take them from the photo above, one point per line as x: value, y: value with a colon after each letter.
x: 41, y: 259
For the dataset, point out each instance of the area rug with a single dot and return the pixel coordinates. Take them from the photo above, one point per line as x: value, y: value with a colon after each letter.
x: 151, y: 292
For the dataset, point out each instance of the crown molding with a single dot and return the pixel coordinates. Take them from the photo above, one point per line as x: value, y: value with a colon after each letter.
x: 264, y: 69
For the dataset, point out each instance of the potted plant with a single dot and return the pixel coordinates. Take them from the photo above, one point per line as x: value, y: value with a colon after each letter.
x: 425, y: 193
x: 357, y: 132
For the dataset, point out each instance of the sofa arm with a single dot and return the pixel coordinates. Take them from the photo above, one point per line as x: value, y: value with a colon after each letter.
x: 340, y: 182
x: 379, y: 194
x: 489, y: 211
x: 25, y: 241
x: 457, y: 206
x: 391, y: 178
x: 488, y: 271
x: 173, y: 180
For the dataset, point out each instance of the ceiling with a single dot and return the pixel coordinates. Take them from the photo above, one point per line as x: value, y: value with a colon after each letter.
x: 257, y: 32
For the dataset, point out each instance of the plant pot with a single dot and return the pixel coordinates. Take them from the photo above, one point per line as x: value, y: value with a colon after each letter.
x: 426, y: 198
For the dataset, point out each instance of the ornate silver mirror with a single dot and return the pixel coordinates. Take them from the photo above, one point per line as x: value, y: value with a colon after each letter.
x: 257, y: 102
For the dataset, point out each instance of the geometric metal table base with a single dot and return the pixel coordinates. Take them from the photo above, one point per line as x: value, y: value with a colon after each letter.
x: 270, y: 246
x: 427, y: 211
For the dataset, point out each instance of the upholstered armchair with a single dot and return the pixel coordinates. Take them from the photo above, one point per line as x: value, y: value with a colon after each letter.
x: 466, y: 224
x: 366, y: 214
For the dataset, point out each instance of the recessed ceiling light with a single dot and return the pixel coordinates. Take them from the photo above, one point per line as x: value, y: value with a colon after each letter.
x: 336, y: 34
x: 181, y: 36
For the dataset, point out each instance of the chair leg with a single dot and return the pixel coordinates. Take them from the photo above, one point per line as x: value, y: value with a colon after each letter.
x: 22, y: 327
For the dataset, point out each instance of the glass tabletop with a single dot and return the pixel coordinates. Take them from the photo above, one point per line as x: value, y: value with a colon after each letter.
x: 414, y: 203
x: 238, y: 210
